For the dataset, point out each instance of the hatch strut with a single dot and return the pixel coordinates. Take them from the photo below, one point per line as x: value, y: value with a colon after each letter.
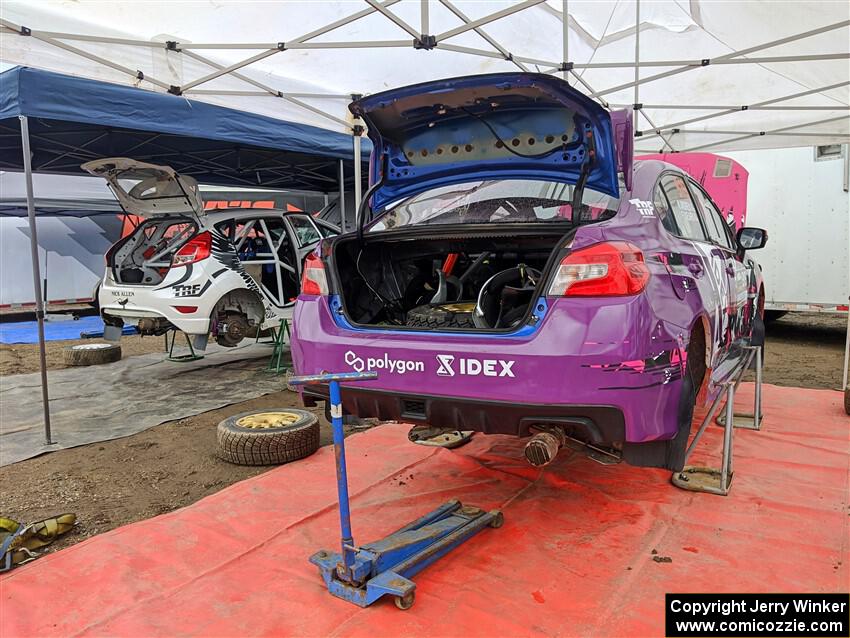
x: 587, y: 165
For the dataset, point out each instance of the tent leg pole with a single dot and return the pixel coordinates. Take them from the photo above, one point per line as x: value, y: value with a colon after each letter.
x: 846, y: 352
x: 36, y: 277
x: 357, y: 177
x: 341, y: 196
x: 637, y: 64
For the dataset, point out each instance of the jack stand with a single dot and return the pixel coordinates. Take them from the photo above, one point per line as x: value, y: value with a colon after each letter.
x: 181, y: 358
x: 362, y: 575
x: 276, y: 365
x: 746, y: 420
x: 711, y: 480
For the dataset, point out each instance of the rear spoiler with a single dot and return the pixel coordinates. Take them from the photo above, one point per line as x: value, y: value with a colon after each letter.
x: 624, y: 142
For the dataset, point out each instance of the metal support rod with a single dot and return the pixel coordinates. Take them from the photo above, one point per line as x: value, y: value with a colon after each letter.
x: 728, y: 431
x: 36, y: 276
x: 342, y: 196
x: 846, y: 353
x: 776, y: 100
x: 708, y: 417
x: 637, y: 64
x: 728, y: 56
x: 423, y: 17
x: 565, y: 35
x: 347, y: 541
x: 357, y: 178
x: 771, y: 132
x: 521, y: 6
x: 502, y: 50
x: 757, y: 394
x: 393, y: 17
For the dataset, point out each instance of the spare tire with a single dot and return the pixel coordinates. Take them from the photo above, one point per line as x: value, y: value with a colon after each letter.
x: 269, y: 437
x: 90, y: 354
x: 447, y: 315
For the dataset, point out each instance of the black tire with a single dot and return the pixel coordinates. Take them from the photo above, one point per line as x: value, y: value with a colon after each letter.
x: 92, y: 354
x: 272, y: 445
x: 433, y: 316
x: 847, y: 399
x: 691, y: 383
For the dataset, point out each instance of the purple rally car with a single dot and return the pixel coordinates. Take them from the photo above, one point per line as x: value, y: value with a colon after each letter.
x: 514, y: 273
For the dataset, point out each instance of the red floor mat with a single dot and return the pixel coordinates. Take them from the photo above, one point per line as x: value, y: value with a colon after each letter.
x: 574, y: 556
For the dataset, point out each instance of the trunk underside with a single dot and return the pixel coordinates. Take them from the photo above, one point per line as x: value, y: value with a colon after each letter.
x: 463, y: 282
x: 144, y: 258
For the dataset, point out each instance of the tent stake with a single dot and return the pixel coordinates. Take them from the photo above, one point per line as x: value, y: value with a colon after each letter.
x: 36, y: 276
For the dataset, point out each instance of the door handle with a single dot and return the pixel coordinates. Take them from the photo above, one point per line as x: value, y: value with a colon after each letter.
x: 695, y: 269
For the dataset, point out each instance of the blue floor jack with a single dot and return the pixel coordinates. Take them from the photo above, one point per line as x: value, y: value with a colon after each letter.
x: 362, y: 575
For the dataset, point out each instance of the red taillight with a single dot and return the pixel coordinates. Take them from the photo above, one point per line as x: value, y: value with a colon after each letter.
x: 313, y: 279
x: 195, y: 249
x: 606, y: 269
x: 186, y: 310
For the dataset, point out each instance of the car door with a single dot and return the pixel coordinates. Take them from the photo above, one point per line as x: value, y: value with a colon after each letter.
x: 736, y: 272
x: 697, y: 267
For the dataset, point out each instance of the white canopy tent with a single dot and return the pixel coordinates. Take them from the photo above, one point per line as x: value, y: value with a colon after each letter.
x: 701, y: 74
x: 709, y: 75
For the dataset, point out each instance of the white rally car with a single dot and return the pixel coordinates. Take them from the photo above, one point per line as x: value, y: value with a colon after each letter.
x: 227, y: 273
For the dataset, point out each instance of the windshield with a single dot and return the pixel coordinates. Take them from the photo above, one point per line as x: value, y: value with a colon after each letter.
x: 498, y: 202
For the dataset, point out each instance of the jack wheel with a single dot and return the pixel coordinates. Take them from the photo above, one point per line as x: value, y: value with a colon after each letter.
x: 498, y: 520
x: 406, y: 601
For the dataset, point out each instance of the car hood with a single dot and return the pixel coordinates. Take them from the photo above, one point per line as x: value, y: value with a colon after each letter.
x: 148, y: 190
x: 497, y: 126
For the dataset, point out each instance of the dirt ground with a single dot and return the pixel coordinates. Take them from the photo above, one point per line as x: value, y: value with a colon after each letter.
x: 174, y: 464
x: 113, y: 483
x: 23, y: 358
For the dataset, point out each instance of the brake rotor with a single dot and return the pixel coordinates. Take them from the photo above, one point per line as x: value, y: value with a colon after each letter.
x: 265, y: 420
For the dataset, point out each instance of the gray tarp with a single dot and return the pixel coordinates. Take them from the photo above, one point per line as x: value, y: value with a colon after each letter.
x: 98, y: 403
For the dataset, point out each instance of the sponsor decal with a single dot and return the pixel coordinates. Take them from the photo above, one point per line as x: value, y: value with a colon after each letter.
x: 123, y: 293
x: 399, y: 366
x: 190, y: 290
x: 644, y: 207
x: 449, y: 365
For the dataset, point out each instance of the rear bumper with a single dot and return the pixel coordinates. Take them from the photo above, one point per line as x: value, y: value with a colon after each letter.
x: 593, y: 423
x: 609, y: 361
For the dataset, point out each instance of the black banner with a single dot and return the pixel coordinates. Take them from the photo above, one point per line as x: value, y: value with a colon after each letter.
x: 744, y: 615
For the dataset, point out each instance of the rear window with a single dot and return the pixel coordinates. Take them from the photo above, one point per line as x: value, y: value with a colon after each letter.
x: 498, y: 202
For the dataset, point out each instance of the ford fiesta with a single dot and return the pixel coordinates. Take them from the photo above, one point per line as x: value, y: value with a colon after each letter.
x: 515, y: 273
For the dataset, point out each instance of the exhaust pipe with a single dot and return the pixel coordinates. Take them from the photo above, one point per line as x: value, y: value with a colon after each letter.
x: 543, y: 448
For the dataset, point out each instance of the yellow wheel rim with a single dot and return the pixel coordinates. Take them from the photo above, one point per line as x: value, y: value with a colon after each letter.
x: 264, y: 420
x: 458, y: 307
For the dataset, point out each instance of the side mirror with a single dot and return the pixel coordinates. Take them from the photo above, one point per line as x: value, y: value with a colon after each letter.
x: 750, y: 238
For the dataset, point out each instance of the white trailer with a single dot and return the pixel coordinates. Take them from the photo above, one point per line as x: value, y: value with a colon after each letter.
x: 800, y: 195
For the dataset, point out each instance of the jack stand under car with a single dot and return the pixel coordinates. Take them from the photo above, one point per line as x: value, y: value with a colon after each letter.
x: 362, y: 575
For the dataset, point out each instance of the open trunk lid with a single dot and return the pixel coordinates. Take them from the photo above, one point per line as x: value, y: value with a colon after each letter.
x: 498, y: 126
x: 148, y: 190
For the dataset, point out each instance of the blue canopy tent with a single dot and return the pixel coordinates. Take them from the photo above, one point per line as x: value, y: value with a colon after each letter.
x: 52, y: 123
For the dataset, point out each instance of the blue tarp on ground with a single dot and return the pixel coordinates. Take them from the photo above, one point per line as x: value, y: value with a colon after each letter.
x: 73, y: 120
x: 27, y: 331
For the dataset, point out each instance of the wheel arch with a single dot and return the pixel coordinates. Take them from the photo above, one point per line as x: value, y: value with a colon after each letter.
x: 243, y: 301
